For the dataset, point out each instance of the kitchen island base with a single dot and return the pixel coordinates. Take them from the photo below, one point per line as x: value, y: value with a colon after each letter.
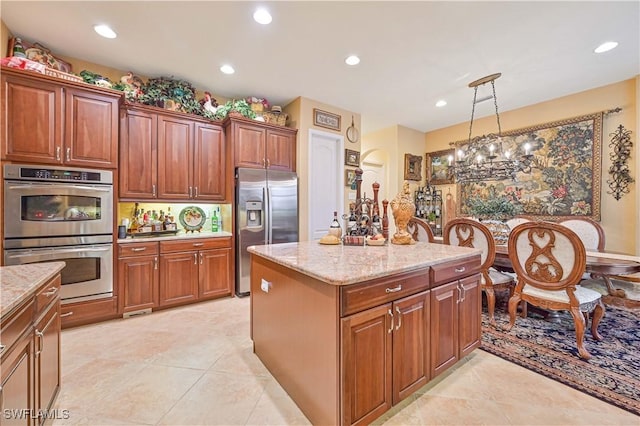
x: 347, y: 352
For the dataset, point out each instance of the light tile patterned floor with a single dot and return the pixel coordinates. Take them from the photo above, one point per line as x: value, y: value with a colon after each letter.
x: 194, y: 366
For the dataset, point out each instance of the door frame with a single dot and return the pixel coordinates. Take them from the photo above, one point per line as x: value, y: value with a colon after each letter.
x: 340, y: 166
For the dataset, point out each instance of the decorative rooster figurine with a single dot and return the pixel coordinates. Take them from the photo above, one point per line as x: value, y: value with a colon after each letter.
x: 209, y: 103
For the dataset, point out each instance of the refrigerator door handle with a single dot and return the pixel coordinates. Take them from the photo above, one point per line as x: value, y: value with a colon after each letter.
x: 269, y: 216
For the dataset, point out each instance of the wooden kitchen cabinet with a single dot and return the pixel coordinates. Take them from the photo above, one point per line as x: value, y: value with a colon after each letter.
x: 54, y: 121
x: 385, y: 356
x: 138, y: 276
x: 455, y: 322
x: 170, y: 156
x: 195, y: 269
x: 260, y: 145
x: 30, y: 356
x: 48, y: 361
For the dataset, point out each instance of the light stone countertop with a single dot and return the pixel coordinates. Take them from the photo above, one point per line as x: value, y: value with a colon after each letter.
x: 343, y: 265
x: 18, y: 282
x: 179, y: 236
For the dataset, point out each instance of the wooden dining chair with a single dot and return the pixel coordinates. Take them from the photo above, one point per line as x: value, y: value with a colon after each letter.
x: 471, y: 233
x: 420, y: 230
x: 549, y: 260
x: 589, y: 231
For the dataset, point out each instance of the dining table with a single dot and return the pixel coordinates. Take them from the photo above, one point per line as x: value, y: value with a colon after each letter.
x: 601, y: 264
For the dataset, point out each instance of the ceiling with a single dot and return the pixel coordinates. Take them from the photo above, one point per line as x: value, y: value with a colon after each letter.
x: 412, y: 53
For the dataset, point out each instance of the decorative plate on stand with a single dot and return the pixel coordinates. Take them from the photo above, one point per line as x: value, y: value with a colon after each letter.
x: 192, y: 218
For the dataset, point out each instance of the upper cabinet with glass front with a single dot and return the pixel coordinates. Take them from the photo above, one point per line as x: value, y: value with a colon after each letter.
x: 52, y: 121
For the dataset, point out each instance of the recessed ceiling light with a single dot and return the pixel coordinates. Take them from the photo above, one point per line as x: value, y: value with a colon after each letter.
x: 352, y: 60
x: 227, y: 69
x: 105, y: 31
x: 605, y: 47
x: 441, y: 103
x: 261, y: 16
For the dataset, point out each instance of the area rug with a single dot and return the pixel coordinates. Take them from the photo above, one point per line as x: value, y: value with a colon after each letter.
x: 548, y: 348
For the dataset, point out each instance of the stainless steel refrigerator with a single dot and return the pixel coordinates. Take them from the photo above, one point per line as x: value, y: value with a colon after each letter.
x: 266, y: 213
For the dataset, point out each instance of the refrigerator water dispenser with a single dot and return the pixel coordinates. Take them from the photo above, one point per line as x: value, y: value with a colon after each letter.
x: 254, y: 214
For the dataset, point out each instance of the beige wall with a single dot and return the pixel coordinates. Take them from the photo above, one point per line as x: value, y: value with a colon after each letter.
x: 389, y: 146
x: 300, y: 113
x: 618, y: 218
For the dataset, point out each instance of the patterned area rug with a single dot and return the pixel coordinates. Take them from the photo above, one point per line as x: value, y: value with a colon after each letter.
x: 548, y: 348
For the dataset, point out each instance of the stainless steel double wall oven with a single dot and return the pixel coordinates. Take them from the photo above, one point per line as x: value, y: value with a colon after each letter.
x: 57, y: 213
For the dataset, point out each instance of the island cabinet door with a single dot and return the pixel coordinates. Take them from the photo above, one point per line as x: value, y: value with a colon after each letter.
x: 366, y: 365
x: 410, y: 345
x: 470, y: 315
x: 444, y: 327
x: 178, y: 278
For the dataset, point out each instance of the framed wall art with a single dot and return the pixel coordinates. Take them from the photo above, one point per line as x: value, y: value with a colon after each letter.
x: 351, y: 158
x: 437, y: 167
x: 412, y: 167
x: 565, y: 177
x: 349, y: 177
x: 326, y: 119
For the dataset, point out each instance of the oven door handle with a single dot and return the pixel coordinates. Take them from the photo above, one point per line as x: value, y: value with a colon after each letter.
x: 58, y: 186
x: 57, y: 251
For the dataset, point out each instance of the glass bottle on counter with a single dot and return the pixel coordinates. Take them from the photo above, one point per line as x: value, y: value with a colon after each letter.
x: 335, y: 228
x: 214, y: 221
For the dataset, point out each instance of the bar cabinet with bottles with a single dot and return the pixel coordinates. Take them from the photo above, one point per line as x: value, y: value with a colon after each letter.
x: 428, y: 201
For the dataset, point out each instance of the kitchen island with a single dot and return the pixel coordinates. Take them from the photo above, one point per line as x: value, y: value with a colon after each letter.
x: 350, y: 331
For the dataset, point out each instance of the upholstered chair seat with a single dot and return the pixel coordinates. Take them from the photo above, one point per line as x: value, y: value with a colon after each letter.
x: 549, y: 260
x: 471, y: 233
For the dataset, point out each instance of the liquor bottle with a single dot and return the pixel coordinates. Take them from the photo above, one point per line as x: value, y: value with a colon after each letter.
x: 18, y: 49
x: 335, y: 228
x: 214, y: 221
x: 169, y: 215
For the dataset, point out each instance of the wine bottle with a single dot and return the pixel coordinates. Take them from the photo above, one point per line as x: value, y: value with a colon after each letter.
x: 214, y: 221
x: 335, y: 228
x: 18, y: 49
x: 352, y: 222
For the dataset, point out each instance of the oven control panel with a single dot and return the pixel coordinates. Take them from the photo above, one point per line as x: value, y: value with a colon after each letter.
x: 36, y: 172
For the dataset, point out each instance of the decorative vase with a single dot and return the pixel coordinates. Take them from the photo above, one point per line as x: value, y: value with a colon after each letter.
x: 403, y: 209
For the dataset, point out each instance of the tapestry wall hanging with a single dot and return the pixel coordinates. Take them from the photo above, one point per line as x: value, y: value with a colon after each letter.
x: 565, y: 178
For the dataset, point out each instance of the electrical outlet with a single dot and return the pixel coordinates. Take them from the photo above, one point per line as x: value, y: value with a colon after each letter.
x: 265, y: 285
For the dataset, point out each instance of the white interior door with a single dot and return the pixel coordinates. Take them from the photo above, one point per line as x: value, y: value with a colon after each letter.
x: 326, y: 187
x: 373, y: 171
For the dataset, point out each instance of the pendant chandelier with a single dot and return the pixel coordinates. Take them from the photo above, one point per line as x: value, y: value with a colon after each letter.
x: 483, y: 157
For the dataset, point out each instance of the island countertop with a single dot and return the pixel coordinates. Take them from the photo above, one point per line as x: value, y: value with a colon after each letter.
x: 342, y: 265
x: 20, y: 281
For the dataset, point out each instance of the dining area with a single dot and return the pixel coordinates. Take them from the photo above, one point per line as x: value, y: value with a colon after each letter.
x: 547, y: 267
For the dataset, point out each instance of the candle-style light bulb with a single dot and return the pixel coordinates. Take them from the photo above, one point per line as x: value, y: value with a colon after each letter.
x: 479, y: 158
x: 507, y: 154
x: 450, y: 158
x: 460, y: 154
x: 491, y: 148
x: 527, y: 147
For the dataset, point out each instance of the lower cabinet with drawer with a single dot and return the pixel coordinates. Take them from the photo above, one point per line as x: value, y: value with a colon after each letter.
x: 170, y: 273
x: 30, y: 366
x: 456, y: 307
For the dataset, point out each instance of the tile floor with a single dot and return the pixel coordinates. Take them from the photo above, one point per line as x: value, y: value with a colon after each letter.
x: 194, y: 366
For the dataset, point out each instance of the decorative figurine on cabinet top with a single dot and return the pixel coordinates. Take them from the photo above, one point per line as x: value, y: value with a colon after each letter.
x: 403, y: 209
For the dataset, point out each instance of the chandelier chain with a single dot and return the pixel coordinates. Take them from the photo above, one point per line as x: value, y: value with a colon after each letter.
x: 473, y: 110
x: 495, y: 103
